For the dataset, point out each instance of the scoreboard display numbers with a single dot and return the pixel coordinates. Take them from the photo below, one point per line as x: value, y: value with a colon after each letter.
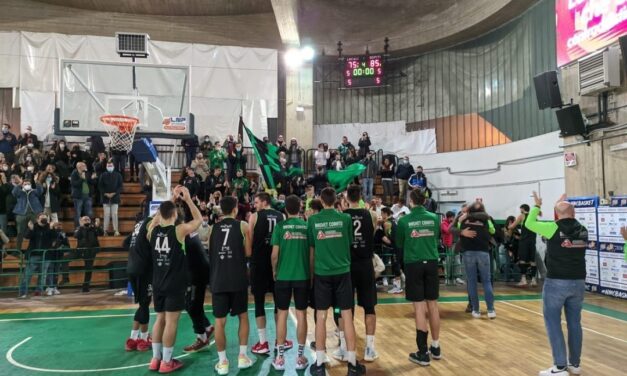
x: 363, y: 71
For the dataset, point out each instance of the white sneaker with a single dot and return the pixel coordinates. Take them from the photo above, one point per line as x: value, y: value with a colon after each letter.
x: 491, y: 315
x: 23, y: 296
x: 56, y: 291
x: 553, y: 371
x: 243, y: 361
x: 460, y: 281
x: 339, y: 354
x: 395, y: 290
x: 370, y: 355
x: 49, y: 292
x: 522, y: 283
x: 385, y: 281
x: 533, y: 283
x: 574, y: 370
x: 476, y: 315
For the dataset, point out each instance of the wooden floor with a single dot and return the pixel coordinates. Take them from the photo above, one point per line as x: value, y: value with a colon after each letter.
x: 513, y: 344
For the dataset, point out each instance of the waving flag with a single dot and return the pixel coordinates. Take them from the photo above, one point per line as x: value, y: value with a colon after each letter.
x: 339, y: 180
x: 267, y: 156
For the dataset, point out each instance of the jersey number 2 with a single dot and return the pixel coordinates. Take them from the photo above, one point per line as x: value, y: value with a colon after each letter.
x: 357, y: 227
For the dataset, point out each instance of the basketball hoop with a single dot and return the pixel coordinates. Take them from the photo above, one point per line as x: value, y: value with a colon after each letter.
x: 121, y: 130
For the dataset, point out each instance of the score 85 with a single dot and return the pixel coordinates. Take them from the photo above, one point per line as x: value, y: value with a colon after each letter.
x: 375, y: 63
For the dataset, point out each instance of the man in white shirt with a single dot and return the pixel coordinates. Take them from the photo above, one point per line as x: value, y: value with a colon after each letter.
x: 399, y: 208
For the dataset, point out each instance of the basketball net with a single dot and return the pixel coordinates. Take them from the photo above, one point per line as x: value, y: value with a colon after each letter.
x: 121, y: 131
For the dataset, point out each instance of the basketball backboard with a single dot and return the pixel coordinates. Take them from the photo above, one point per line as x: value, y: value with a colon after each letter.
x: 158, y: 95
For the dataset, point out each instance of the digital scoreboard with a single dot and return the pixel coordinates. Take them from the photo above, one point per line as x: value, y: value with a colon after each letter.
x: 363, y: 71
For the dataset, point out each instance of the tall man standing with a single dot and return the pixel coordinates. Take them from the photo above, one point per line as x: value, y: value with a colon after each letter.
x: 330, y: 237
x: 261, y: 225
x: 170, y: 277
x: 418, y: 233
x: 565, y: 282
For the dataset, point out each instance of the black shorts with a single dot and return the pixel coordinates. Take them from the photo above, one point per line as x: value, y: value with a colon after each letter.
x: 527, y: 251
x: 363, y: 282
x: 233, y: 303
x: 312, y: 298
x: 170, y: 302
x: 142, y: 288
x: 422, y: 281
x: 283, y: 291
x: 333, y: 291
x: 261, y: 279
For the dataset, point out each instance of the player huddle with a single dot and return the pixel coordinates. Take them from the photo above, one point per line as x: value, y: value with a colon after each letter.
x: 319, y: 263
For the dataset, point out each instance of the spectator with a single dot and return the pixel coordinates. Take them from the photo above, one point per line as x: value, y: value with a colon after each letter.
x: 322, y: 155
x: 377, y: 205
x: 41, y: 237
x: 368, y: 176
x: 191, y: 182
x: 418, y: 179
x: 78, y: 155
x: 399, y: 209
x: 203, y: 231
x: 82, y: 190
x: 298, y: 184
x: 351, y: 157
x: 216, y: 182
x: 206, y: 147
x: 445, y: 229
x: 364, y: 145
x: 337, y: 164
x: 28, y: 138
x: 200, y: 166
x: 5, y: 191
x: 387, y: 180
x: 240, y: 185
x: 319, y: 180
x: 28, y: 153
x: 97, y: 145
x: 403, y: 173
x: 280, y: 143
x: 7, y: 142
x: 217, y: 156
x: 237, y: 161
x: 88, y: 246
x: 51, y: 140
x: 110, y: 186
x: 229, y: 144
x: 190, y: 144
x: 27, y: 208
x: 295, y: 154
x: 62, y: 152
x: 49, y: 181
x: 59, y: 246
x: 343, y: 147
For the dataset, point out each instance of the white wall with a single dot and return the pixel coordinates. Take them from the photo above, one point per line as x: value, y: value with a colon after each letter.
x: 505, y: 189
x: 225, y: 79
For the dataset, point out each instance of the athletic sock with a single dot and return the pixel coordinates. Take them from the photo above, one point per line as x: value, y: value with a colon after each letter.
x: 351, y: 358
x: 144, y: 336
x: 202, y: 337
x: 135, y: 334
x: 167, y: 354
x: 222, y: 356
x: 319, y: 357
x: 370, y: 342
x: 435, y: 343
x: 301, y: 349
x: 156, y: 350
x: 342, y: 341
x: 242, y: 349
x: 262, y: 335
x: 281, y: 350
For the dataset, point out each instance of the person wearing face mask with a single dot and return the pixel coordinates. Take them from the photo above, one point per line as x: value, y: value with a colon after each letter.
x: 295, y: 154
x: 7, y: 142
x: 27, y: 208
x: 82, y: 184
x: 52, y: 193
x: 368, y: 176
x: 62, y: 152
x: 41, y: 236
x: 206, y: 147
x: 28, y: 153
x: 403, y: 172
x: 418, y: 179
x: 5, y: 192
x: 110, y: 186
x: 237, y: 161
x: 217, y: 156
x: 28, y: 137
x: 88, y: 245
x: 200, y: 166
x: 364, y: 145
x: 190, y: 144
x: 322, y: 155
x: 280, y: 143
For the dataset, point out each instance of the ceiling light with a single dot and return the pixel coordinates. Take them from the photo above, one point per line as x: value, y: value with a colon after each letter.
x: 307, y: 53
x: 293, y: 58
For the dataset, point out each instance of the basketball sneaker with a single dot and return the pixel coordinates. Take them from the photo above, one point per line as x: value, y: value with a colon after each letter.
x: 279, y: 363
x: 317, y: 370
x: 56, y: 291
x: 261, y: 348
x: 154, y: 364
x: 491, y: 315
x: 422, y: 359
x: 356, y: 370
x: 144, y: 344
x: 339, y: 354
x: 49, y: 291
x: 198, y: 345
x: 130, y: 345
x: 370, y: 355
x: 301, y: 363
x: 523, y: 282
x: 222, y: 368
x: 554, y: 371
x: 476, y: 315
x: 534, y: 282
x: 436, y: 352
x: 286, y: 346
x: 171, y: 366
x: 243, y: 361
x: 575, y: 370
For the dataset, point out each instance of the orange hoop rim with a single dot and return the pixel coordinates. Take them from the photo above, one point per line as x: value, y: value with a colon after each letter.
x: 125, y: 124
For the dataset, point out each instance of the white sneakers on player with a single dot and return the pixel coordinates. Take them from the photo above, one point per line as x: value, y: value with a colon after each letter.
x: 370, y: 355
x: 554, y: 371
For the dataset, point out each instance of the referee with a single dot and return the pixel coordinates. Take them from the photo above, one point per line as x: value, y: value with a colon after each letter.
x: 418, y: 234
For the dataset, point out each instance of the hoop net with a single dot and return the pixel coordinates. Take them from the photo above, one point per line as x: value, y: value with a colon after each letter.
x: 121, y: 130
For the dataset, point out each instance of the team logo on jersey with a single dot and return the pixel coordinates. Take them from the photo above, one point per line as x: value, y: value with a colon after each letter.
x: 415, y: 234
x: 287, y: 235
x: 321, y: 235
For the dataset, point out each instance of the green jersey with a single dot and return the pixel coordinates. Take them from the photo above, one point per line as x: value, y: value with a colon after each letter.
x: 331, y: 234
x: 291, y: 238
x: 418, y: 233
x: 217, y: 158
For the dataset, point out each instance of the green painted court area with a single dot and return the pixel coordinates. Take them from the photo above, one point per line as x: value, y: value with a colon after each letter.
x: 93, y: 343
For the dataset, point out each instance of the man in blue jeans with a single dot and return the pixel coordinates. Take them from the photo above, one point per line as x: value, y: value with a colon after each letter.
x: 82, y: 189
x: 565, y: 283
x: 368, y: 176
x: 41, y: 237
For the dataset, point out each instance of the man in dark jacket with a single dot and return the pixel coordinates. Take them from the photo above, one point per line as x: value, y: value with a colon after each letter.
x: 27, y: 208
x: 368, y: 176
x: 404, y: 171
x: 8, y: 141
x: 41, y: 237
x: 319, y: 180
x: 88, y: 245
x: 82, y: 188
x: 190, y: 144
x: 110, y: 186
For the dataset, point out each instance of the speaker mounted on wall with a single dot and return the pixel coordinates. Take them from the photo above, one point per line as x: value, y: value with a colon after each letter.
x: 548, y: 90
x: 570, y: 121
